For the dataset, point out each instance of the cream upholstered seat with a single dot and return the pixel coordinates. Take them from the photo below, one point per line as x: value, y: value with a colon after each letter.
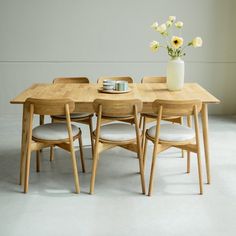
x: 118, y: 132
x: 54, y: 131
x: 172, y: 132
x: 74, y: 115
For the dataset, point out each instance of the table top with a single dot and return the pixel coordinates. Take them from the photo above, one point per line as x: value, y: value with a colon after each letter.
x: 86, y: 93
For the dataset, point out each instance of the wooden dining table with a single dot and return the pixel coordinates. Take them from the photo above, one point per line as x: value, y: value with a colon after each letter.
x: 84, y: 94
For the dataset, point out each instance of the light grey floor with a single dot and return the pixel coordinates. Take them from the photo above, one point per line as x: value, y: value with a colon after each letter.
x: 118, y: 208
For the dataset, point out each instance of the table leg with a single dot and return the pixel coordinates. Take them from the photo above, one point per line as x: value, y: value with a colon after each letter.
x: 204, y: 114
x: 25, y: 122
x: 41, y: 122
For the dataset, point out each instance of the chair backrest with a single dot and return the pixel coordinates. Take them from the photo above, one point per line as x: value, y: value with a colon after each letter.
x: 177, y: 108
x: 71, y: 80
x: 116, y: 78
x: 117, y: 108
x: 153, y: 79
x: 51, y: 106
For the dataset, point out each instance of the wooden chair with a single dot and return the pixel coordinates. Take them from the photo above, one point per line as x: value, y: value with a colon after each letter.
x: 164, y: 136
x: 116, y: 78
x: 59, y: 134
x: 117, y: 134
x: 153, y: 79
x: 71, y: 80
x: 82, y: 118
x: 150, y: 117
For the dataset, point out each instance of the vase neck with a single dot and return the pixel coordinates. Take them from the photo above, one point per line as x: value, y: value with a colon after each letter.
x: 175, y: 58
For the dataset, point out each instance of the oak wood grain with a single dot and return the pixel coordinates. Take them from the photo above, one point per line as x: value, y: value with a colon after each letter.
x: 84, y: 94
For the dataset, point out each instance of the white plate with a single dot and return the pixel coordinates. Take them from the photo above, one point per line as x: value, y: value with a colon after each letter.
x: 114, y: 91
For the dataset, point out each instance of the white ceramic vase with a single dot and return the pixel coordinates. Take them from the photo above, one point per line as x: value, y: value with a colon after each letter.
x: 175, y: 74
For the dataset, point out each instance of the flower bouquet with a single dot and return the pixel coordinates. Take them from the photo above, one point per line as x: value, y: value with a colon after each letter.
x: 176, y: 50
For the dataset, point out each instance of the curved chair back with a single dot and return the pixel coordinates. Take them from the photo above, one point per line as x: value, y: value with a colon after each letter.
x: 117, y: 108
x: 176, y: 108
x: 153, y: 79
x: 71, y: 80
x: 51, y: 106
x: 116, y: 78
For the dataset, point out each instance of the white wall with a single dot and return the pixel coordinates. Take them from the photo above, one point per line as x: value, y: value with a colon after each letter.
x: 40, y: 40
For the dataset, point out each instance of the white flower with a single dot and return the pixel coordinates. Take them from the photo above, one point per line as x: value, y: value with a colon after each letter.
x: 179, y: 24
x: 154, y: 26
x: 172, y: 18
x: 197, y: 42
x: 161, y: 28
x: 176, y: 42
x: 169, y: 23
x: 154, y: 45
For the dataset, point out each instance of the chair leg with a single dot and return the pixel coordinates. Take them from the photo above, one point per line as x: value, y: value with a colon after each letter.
x: 38, y: 160
x: 145, y: 152
x: 199, y: 172
x: 140, y: 157
x: 140, y: 122
x: 181, y: 122
x: 154, y: 156
x: 91, y: 134
x: 75, y: 169
x: 189, y: 123
x: 81, y: 154
x: 52, y: 147
x: 188, y: 162
x: 143, y: 131
x: 142, y: 174
x: 51, y: 153
x: 94, y: 170
x: 27, y: 170
x: 41, y: 122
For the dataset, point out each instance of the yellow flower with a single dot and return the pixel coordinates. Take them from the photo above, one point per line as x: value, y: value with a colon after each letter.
x: 176, y: 42
x: 161, y: 28
x: 197, y: 42
x: 172, y: 18
x: 169, y: 23
x: 154, y: 45
x: 154, y: 26
x: 179, y: 24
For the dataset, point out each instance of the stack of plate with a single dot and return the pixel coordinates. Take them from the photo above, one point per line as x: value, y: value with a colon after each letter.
x: 109, y: 85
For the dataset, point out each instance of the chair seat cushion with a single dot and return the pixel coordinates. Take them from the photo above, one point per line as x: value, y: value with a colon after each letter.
x: 53, y: 131
x: 118, y: 132
x: 74, y: 115
x: 173, y: 132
